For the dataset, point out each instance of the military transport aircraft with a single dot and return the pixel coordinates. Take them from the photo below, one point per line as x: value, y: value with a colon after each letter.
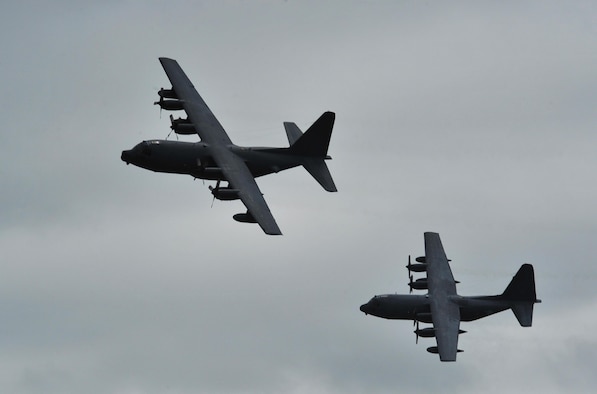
x: 215, y: 157
x: 443, y: 307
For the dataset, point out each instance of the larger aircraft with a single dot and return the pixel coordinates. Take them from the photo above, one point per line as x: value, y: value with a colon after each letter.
x: 443, y: 307
x: 215, y: 157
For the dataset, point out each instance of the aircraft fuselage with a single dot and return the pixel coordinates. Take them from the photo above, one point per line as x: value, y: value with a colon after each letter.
x: 416, y: 307
x: 196, y: 159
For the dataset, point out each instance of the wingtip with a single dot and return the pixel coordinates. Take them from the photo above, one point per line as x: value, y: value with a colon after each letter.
x: 330, y: 114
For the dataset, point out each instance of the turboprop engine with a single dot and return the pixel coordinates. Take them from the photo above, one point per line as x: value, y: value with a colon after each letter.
x: 419, y: 284
x: 167, y: 93
x: 418, y: 267
x: 224, y: 193
x: 182, y: 126
x: 169, y: 105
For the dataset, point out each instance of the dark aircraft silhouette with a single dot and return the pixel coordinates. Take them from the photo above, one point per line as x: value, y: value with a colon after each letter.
x: 444, y: 308
x: 215, y: 157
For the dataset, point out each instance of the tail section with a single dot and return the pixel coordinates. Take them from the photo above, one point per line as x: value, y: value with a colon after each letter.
x: 316, y: 139
x: 313, y: 147
x: 292, y: 132
x: 320, y: 171
x: 521, y: 294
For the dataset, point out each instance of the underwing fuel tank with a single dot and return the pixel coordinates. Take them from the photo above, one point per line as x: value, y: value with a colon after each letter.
x: 430, y: 332
x: 244, y: 218
x: 434, y: 350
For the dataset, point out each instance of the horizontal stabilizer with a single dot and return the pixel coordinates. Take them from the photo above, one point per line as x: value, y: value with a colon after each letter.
x: 319, y: 170
x: 524, y: 313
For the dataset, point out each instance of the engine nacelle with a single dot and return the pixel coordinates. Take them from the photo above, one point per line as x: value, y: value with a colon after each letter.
x: 417, y: 267
x: 224, y: 193
x: 182, y: 126
x: 170, y: 105
x: 420, y: 259
x: 419, y: 284
x: 244, y: 218
x: 426, y: 332
x: 167, y: 93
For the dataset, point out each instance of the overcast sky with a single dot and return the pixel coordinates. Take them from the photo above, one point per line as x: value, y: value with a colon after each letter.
x: 476, y: 120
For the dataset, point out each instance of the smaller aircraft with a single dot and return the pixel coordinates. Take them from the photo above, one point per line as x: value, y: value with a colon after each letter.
x: 443, y: 307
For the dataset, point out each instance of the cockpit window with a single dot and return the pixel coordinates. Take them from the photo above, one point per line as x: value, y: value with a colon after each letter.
x: 145, y: 149
x: 374, y: 301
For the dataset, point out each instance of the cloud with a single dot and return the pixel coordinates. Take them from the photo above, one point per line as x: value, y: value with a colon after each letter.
x: 475, y: 121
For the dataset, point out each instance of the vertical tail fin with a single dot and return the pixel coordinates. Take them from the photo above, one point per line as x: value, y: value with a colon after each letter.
x: 316, y: 139
x: 521, y: 294
x: 313, y: 146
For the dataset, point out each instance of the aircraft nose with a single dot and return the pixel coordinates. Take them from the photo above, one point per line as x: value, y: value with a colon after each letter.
x: 125, y: 156
x: 364, y: 309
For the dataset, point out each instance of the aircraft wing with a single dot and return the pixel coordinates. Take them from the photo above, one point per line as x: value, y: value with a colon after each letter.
x: 206, y: 124
x: 238, y: 175
x: 211, y: 131
x: 445, y: 313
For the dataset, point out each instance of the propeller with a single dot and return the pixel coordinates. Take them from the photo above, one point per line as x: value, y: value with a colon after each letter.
x: 158, y: 103
x: 216, y: 189
x: 171, y: 127
x: 417, y: 334
x: 410, y: 275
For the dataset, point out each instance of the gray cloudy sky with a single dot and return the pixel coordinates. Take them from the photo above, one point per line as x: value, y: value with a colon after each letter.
x: 473, y: 119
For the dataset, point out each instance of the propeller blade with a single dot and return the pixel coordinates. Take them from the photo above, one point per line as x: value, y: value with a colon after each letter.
x: 417, y: 334
x: 211, y: 188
